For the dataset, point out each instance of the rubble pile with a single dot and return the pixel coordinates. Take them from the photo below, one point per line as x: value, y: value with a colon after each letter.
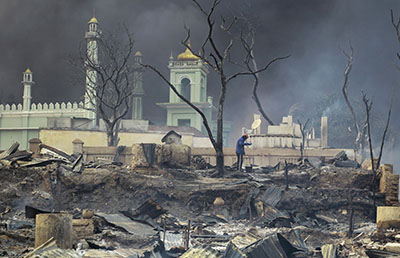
x: 300, y: 210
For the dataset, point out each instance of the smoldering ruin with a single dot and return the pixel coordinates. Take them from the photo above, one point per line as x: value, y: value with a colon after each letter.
x: 150, y: 208
x: 246, y: 133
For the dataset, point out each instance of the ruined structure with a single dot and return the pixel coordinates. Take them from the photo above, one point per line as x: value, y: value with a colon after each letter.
x: 281, y: 143
x: 288, y: 135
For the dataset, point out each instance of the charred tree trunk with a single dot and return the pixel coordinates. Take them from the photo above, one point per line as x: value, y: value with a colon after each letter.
x: 303, y: 138
x: 384, y: 134
x: 220, y: 125
x: 351, y: 209
x: 368, y: 106
x: 347, y: 71
x: 286, y: 175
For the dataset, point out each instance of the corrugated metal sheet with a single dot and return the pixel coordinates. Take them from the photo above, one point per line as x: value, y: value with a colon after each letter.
x: 243, y: 241
x: 172, y: 240
x: 111, y: 254
x: 270, y: 247
x: 272, y: 196
x: 271, y: 214
x: 328, y: 251
x: 132, y: 227
x: 125, y: 253
x: 50, y: 250
x: 201, y: 252
x: 381, y: 254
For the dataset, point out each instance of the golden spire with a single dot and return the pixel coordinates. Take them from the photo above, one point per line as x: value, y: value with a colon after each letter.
x: 28, y: 70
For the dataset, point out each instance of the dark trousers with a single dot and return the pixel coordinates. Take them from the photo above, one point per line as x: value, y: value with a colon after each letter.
x: 239, y: 161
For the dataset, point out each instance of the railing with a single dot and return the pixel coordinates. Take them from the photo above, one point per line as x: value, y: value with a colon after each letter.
x: 65, y: 107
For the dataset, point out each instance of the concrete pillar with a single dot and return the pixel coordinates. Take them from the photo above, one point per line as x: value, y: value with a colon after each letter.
x: 324, y: 132
x: 34, y: 146
x: 57, y: 225
x: 388, y: 217
x: 210, y: 100
x: 290, y: 120
x: 257, y: 130
x: 77, y: 146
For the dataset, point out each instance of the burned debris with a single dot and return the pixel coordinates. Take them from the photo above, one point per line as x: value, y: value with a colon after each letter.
x: 157, y: 210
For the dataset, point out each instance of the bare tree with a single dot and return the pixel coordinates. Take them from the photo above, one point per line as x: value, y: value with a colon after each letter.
x: 303, y: 138
x: 218, y: 58
x: 368, y: 106
x: 110, y: 79
x: 358, y: 133
x: 384, y: 133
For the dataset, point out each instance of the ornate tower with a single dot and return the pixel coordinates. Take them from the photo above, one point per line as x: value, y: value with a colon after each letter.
x: 138, y: 92
x: 91, y: 37
x: 27, y: 82
x: 189, y: 75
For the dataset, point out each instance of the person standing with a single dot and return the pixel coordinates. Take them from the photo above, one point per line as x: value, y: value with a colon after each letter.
x: 240, y: 150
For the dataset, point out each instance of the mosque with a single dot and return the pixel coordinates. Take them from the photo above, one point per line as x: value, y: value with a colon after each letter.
x: 58, y: 124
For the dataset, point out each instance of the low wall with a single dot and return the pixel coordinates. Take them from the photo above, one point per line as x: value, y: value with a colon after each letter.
x: 267, y: 156
x: 169, y: 155
x: 62, y: 138
x: 261, y: 157
x: 107, y: 153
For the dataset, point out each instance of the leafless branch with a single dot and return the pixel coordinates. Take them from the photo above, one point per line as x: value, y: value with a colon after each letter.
x: 109, y: 79
x: 257, y: 71
x: 347, y: 71
x: 384, y: 132
x: 396, y: 26
x: 303, y: 135
x: 368, y: 106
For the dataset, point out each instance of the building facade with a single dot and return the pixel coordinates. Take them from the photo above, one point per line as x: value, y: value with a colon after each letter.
x: 188, y: 73
x: 189, y: 76
x: 22, y: 122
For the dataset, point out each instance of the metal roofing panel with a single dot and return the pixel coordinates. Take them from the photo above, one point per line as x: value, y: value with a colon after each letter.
x: 49, y: 249
x: 328, y: 251
x: 272, y: 196
x: 270, y: 247
x: 132, y: 227
x: 201, y: 252
x: 172, y: 240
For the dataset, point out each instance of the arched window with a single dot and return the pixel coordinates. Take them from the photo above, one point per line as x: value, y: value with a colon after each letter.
x: 202, y: 91
x: 185, y: 88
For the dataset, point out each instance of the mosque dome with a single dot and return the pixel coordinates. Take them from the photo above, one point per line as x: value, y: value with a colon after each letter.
x: 187, y: 55
x: 93, y: 20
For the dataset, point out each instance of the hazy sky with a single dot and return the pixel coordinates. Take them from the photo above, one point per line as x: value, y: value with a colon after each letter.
x: 40, y: 34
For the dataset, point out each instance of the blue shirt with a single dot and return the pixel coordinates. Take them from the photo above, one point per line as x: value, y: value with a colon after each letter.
x: 240, y: 145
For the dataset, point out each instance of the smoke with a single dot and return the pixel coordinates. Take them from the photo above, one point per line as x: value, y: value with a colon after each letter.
x: 40, y: 34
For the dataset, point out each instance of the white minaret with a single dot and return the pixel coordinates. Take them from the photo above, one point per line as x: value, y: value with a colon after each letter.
x: 138, y: 91
x: 27, y: 82
x: 93, y: 59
